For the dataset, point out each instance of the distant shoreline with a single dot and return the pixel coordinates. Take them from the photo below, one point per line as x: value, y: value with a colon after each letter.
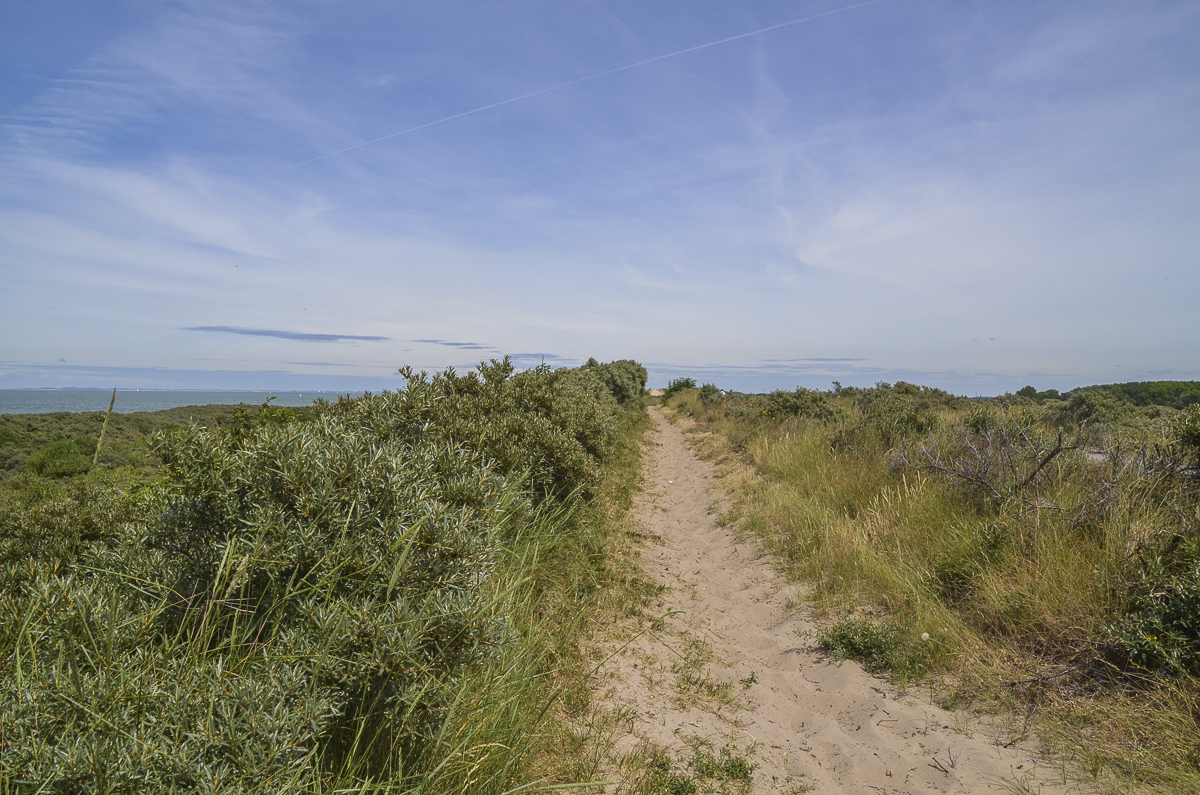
x: 108, y: 390
x: 129, y: 401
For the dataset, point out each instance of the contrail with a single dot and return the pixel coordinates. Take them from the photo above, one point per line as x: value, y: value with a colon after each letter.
x: 578, y: 80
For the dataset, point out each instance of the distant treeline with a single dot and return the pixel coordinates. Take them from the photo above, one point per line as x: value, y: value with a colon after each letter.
x: 1175, y: 394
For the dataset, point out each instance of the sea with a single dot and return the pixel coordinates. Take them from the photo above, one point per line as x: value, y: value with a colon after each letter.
x: 45, y: 401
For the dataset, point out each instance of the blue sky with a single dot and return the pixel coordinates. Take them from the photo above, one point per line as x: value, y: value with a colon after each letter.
x: 972, y: 195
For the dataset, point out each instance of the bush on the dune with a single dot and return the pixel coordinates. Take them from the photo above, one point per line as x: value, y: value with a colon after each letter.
x: 297, y: 600
x: 804, y: 403
x: 624, y: 378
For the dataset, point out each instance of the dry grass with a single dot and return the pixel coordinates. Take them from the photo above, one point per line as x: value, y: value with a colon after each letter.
x: 1008, y: 604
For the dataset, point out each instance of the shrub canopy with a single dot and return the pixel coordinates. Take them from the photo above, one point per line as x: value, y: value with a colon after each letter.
x: 625, y: 378
x: 295, y: 599
x: 63, y: 458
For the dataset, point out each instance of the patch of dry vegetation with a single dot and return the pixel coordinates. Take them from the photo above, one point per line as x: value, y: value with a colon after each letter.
x: 1042, y: 560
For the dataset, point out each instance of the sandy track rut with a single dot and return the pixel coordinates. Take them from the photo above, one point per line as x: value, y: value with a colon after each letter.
x: 809, y: 724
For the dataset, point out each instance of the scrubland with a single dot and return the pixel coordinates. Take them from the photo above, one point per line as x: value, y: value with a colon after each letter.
x: 391, y: 593
x: 1027, y: 555
x: 380, y: 594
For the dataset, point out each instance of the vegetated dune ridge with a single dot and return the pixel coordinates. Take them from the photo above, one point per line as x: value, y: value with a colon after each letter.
x: 807, y: 722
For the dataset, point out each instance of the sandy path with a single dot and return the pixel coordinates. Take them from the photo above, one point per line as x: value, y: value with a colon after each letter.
x: 808, y: 723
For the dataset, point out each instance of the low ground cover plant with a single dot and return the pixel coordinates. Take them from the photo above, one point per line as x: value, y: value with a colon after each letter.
x: 726, y: 772
x: 1042, y: 552
x: 371, y: 596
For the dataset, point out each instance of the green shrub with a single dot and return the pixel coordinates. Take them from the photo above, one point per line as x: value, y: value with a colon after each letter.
x: 244, y: 420
x: 363, y: 554
x: 725, y: 767
x: 1162, y: 631
x: 624, y: 378
x: 1092, y: 407
x: 86, y: 445
x: 803, y: 403
x: 709, y: 394
x: 1038, y: 397
x: 1187, y: 429
x: 890, y: 415
x: 60, y: 459
x: 52, y: 523
x: 893, y: 418
x: 548, y: 427
x: 878, y: 647
x: 1177, y: 394
x: 678, y: 385
x: 299, y: 604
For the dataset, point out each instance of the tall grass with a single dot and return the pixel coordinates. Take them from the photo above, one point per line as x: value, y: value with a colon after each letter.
x: 1045, y: 573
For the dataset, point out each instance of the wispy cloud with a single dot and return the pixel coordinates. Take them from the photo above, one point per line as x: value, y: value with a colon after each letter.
x: 299, y: 336
x: 809, y: 359
x: 960, y: 191
x: 549, y: 358
x: 462, y: 346
x: 224, y: 59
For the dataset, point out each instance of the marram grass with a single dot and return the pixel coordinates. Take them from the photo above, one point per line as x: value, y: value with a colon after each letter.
x: 1049, y: 572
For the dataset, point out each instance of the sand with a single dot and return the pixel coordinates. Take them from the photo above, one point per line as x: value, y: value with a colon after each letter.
x: 809, y: 723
